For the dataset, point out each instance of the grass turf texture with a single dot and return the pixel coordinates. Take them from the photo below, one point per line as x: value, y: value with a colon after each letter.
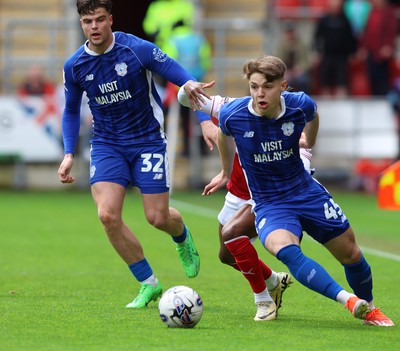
x: 62, y: 286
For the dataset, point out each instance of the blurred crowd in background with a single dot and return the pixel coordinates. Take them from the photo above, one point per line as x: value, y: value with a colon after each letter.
x: 349, y: 49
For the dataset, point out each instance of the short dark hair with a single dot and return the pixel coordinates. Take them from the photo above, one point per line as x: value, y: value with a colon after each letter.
x: 85, y: 7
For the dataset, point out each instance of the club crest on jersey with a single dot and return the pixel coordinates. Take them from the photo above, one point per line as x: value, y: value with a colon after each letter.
x: 159, y: 55
x: 288, y: 128
x: 121, y: 68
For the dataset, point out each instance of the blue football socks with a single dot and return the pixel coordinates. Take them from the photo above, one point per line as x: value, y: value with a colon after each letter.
x: 308, y: 272
x: 181, y: 238
x: 141, y: 270
x: 359, y: 277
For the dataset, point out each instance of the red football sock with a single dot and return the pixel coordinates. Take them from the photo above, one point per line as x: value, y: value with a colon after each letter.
x: 247, y: 260
x: 235, y: 266
x: 266, y: 271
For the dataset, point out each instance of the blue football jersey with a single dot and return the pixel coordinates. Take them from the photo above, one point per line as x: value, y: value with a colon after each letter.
x: 268, y: 149
x: 125, y: 105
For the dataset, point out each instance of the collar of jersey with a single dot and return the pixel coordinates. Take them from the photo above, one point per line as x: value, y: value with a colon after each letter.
x: 251, y: 109
x: 90, y: 52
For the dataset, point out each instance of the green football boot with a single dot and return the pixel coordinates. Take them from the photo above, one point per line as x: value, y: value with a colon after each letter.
x: 189, y: 256
x: 146, y: 294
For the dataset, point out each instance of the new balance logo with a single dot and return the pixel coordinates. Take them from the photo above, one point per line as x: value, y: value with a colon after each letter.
x: 158, y: 176
x: 249, y: 134
x: 311, y: 275
x: 89, y: 77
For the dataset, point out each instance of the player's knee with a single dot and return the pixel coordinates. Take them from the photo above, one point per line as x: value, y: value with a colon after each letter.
x: 157, y: 222
x: 351, y: 254
x: 229, y: 232
x: 108, y: 218
x: 344, y: 248
x: 226, y: 258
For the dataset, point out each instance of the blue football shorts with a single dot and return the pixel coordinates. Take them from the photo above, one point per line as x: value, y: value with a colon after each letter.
x: 313, y: 211
x: 144, y: 166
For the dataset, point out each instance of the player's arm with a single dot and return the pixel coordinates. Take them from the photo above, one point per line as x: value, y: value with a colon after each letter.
x: 209, y: 108
x: 195, y: 91
x: 310, y: 133
x: 208, y: 128
x: 155, y: 60
x: 70, y: 124
x: 196, y: 95
x: 210, y: 133
x: 226, y: 154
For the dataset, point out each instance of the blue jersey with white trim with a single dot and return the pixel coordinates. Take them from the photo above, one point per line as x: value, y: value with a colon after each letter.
x: 268, y: 149
x: 125, y: 105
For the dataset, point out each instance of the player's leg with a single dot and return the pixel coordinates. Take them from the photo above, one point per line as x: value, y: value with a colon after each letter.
x: 331, y: 228
x: 309, y: 272
x: 358, y: 273
x: 168, y: 219
x: 227, y: 258
x: 231, y: 205
x: 237, y: 220
x: 242, y: 222
x: 160, y: 215
x: 223, y: 254
x: 247, y: 260
x: 109, y: 198
x: 282, y: 232
x: 109, y: 178
x: 286, y: 247
x: 276, y: 282
x: 150, y: 172
x: 249, y: 264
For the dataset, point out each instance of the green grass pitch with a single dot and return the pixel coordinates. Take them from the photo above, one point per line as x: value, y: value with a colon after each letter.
x: 62, y: 286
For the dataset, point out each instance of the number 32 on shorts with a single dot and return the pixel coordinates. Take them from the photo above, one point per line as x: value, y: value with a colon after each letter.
x: 149, y: 159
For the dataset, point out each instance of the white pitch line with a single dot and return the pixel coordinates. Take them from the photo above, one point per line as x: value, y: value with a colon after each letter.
x: 198, y: 210
x: 380, y: 253
x: 205, y: 212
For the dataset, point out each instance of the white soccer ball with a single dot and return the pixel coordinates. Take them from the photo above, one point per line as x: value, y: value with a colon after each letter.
x: 180, y: 307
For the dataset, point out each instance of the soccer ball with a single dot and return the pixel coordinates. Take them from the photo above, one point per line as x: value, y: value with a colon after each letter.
x: 180, y: 307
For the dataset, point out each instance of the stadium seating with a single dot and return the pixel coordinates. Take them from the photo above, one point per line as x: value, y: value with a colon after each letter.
x: 31, y: 32
x: 288, y: 9
x: 358, y: 79
x: 320, y: 5
x: 288, y: 3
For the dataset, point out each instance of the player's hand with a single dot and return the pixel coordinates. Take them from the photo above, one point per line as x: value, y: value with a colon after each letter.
x: 303, y: 140
x: 210, y: 133
x: 216, y: 183
x: 65, y: 169
x: 196, y: 94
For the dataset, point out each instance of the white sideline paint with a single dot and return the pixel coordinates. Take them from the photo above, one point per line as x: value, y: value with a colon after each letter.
x: 204, y: 212
x: 198, y: 210
x: 379, y: 253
